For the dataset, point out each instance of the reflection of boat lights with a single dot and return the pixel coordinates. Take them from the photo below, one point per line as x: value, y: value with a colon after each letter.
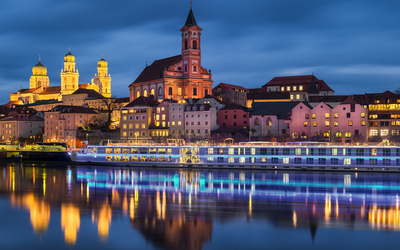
x: 328, y: 208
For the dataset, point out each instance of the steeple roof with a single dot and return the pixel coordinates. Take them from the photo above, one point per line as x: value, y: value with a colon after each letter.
x: 190, y: 21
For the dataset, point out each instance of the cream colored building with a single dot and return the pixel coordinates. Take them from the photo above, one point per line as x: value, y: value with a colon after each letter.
x: 40, y: 89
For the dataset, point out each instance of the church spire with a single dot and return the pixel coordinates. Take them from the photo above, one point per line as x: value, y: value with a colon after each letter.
x: 190, y: 21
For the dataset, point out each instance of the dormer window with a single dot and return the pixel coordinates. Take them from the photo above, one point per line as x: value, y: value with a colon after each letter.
x: 194, y: 108
x: 188, y: 108
x: 201, y: 108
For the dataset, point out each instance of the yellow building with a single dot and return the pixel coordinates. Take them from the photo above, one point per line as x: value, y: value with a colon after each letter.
x: 39, y: 84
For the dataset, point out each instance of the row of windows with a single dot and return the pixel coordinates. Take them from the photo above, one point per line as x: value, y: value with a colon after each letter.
x: 198, y: 123
x: 137, y: 158
x: 325, y: 134
x: 137, y: 150
x: 383, y: 132
x: 137, y: 126
x: 335, y: 115
x: 198, y: 115
x: 335, y: 123
x: 198, y: 131
x: 124, y: 118
x: 293, y: 88
x: 384, y: 123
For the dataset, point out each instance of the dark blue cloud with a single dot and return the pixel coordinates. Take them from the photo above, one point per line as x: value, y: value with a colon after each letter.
x: 351, y: 44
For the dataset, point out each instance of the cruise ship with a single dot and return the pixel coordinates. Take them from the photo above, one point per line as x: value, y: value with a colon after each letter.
x: 249, y: 155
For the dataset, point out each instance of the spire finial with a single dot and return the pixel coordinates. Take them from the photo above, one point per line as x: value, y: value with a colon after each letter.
x: 39, y: 57
x: 69, y: 48
x: 101, y: 55
x: 190, y: 4
x: 146, y: 63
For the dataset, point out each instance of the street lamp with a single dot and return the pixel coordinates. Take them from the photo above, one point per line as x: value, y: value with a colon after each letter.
x: 87, y: 142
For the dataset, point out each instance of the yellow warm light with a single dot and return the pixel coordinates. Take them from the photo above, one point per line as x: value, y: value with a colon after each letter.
x: 294, y: 219
x: 70, y: 222
x: 104, y: 221
x: 328, y: 208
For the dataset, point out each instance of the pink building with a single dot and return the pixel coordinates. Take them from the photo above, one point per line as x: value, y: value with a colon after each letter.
x: 345, y: 122
x: 62, y: 123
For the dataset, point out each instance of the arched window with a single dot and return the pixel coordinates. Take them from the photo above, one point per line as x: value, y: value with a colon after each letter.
x: 338, y: 135
x: 295, y: 135
x: 145, y: 93
x: 194, y: 68
x: 185, y: 44
x: 256, y: 122
x: 152, y: 92
x: 194, y: 44
x: 160, y: 91
x: 138, y: 94
x: 269, y: 122
x: 303, y: 135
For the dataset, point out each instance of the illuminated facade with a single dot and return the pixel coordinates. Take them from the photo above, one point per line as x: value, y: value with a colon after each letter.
x: 229, y: 93
x: 178, y: 77
x: 40, y: 89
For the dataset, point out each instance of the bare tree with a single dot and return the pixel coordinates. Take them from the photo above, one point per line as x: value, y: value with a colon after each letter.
x: 109, y: 106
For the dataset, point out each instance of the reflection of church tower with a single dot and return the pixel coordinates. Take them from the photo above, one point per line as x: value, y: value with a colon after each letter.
x: 39, y: 76
x: 104, y: 78
x: 69, y: 76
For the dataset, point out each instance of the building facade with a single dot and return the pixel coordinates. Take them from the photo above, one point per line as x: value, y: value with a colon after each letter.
x: 200, y: 120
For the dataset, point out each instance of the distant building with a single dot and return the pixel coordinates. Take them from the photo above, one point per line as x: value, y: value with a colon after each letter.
x: 298, y: 87
x: 178, y: 77
x: 17, y: 127
x: 177, y: 118
x: 40, y: 89
x: 229, y: 93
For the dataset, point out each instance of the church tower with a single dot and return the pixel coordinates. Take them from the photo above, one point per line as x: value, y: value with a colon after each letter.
x: 69, y: 76
x: 39, y: 76
x: 191, y: 52
x: 104, y: 77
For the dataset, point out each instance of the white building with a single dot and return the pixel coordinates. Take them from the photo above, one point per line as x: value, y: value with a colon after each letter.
x: 200, y: 120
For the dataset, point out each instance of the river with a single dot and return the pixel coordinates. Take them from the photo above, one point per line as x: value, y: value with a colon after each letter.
x: 81, y: 207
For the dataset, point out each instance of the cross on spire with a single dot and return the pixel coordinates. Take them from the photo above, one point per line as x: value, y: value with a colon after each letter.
x: 190, y: 4
x: 39, y: 57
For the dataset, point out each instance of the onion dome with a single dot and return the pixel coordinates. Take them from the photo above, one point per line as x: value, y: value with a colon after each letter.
x: 39, y: 70
x: 102, y: 63
x: 69, y: 57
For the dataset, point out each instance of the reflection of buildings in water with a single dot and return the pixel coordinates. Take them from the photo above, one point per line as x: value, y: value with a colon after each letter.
x: 70, y: 222
x: 38, y: 208
x: 103, y: 219
x: 384, y: 218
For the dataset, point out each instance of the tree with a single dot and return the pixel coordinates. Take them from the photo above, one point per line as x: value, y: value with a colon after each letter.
x: 397, y: 91
x: 109, y: 105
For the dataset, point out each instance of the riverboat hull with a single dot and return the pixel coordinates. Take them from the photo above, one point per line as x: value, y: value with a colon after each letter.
x: 323, y: 158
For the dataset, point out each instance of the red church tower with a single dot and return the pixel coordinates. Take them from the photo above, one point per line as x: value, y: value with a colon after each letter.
x: 177, y: 77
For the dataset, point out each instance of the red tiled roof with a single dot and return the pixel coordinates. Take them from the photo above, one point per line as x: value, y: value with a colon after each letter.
x: 226, y: 86
x: 142, y: 101
x: 297, y: 80
x: 27, y: 90
x: 122, y: 100
x: 73, y: 109
x: 51, y: 90
x: 83, y: 85
x: 154, y: 71
x: 235, y: 106
x: 349, y: 100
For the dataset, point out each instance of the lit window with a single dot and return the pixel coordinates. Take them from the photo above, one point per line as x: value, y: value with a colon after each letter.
x: 297, y: 96
x: 305, y: 124
x: 347, y: 135
x: 313, y: 116
x: 362, y: 123
x: 350, y: 123
x: 285, y: 160
x: 314, y: 124
x: 326, y: 124
x: 291, y: 97
x: 326, y: 134
x: 143, y: 125
x: 294, y: 89
x: 282, y: 89
x: 335, y: 115
x: 362, y: 115
x: 334, y: 151
x: 373, y: 132
x: 173, y: 123
x: 384, y: 132
x: 326, y: 115
x: 335, y: 123
x: 300, y: 87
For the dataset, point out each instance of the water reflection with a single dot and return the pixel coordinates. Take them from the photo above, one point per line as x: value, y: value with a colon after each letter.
x: 177, y: 209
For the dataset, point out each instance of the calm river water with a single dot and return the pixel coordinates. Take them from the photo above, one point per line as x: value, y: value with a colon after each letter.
x: 80, y: 207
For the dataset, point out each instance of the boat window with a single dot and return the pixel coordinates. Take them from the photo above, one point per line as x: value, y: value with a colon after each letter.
x: 134, y: 150
x: 125, y: 150
x: 161, y: 158
x: 161, y: 151
x: 152, y: 150
x: 143, y: 158
x: 117, y: 158
x: 231, y: 151
x: 169, y: 159
x: 169, y: 151
x: 152, y: 158
x: 135, y: 158
x: 108, y: 158
x: 117, y: 150
x: 210, y: 151
x: 125, y: 158
x: 143, y: 150
x: 253, y: 151
x: 109, y: 150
